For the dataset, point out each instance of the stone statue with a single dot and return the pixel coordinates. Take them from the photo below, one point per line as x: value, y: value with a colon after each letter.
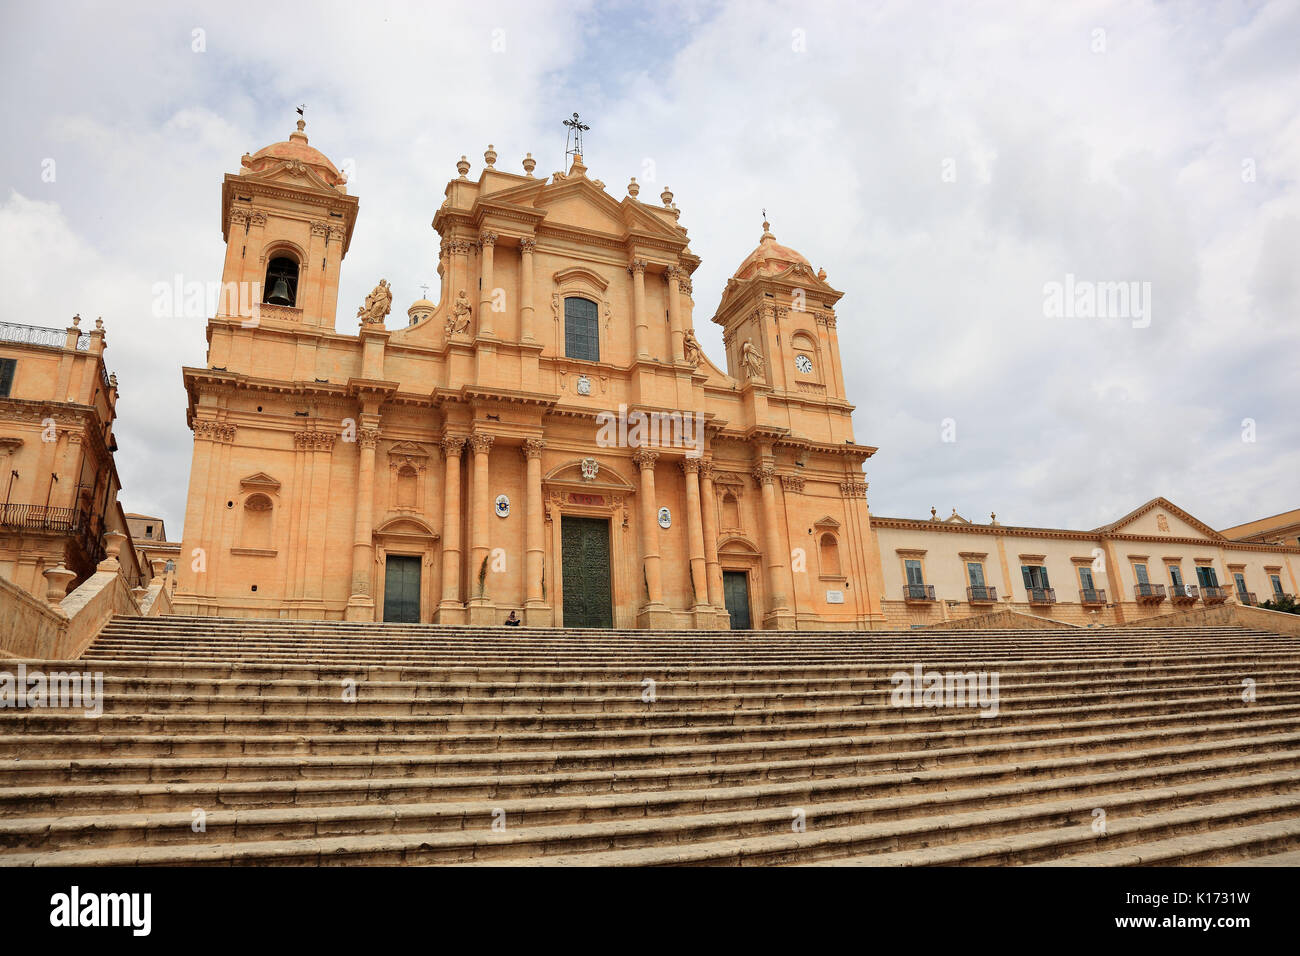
x: 691, y: 348
x: 751, y: 359
x: 377, y: 306
x: 461, y: 310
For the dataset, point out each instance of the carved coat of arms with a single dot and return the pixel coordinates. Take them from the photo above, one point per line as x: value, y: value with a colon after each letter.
x: 590, y: 468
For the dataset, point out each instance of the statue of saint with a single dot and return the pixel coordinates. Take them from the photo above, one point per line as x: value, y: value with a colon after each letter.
x: 461, y: 310
x: 378, y: 304
x: 751, y: 359
x: 691, y: 348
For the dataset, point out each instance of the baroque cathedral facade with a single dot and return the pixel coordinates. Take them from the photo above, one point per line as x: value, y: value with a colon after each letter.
x: 548, y: 438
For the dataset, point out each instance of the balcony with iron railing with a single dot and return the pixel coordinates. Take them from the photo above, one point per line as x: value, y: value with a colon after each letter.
x: 918, y: 593
x: 1213, y: 594
x: 1247, y: 598
x: 1042, y: 596
x: 1149, y: 593
x: 1184, y: 593
x: 980, y: 594
x: 1092, y: 597
x: 83, y: 527
x: 40, y: 335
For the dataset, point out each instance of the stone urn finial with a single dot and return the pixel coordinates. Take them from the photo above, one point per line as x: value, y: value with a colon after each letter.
x: 57, y: 580
x: 113, y: 541
x: 633, y: 188
x: 76, y: 320
x: 529, y: 164
x: 462, y: 167
x: 490, y: 156
x: 667, y: 197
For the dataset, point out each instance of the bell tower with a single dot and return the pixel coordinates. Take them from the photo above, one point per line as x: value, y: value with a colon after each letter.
x: 287, y: 221
x: 778, y: 324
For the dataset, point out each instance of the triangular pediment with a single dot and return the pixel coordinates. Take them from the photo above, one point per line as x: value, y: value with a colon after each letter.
x: 1161, y: 518
x: 827, y: 523
x: 259, y: 480
x: 290, y: 173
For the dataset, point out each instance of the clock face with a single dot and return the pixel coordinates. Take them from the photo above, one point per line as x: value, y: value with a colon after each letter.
x: 803, y: 363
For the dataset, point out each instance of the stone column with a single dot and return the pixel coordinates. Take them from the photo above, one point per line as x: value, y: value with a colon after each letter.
x: 534, y: 532
x: 361, y: 605
x: 709, y: 515
x: 695, y: 539
x: 487, y: 241
x: 526, y: 247
x: 637, y: 268
x: 653, y: 581
x: 672, y: 277
x: 450, y: 609
x: 481, y: 502
x: 779, y: 614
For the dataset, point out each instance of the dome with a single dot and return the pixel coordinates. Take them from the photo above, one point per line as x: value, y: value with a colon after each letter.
x: 420, y: 310
x: 769, y: 258
x: 295, y: 149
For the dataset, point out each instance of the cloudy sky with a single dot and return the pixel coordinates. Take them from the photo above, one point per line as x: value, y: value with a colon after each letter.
x: 945, y: 163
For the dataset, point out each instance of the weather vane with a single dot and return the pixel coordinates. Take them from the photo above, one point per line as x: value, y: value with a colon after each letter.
x: 425, y: 290
x: 300, y: 110
x: 573, y: 138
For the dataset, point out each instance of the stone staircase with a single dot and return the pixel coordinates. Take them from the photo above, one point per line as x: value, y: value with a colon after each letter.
x: 229, y: 741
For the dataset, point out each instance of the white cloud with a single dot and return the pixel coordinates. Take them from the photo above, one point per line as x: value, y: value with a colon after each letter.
x: 1125, y: 164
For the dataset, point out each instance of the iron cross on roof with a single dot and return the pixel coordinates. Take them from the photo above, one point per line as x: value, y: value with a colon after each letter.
x: 573, y: 138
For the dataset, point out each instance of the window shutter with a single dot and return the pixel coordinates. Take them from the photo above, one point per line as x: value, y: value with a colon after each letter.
x: 1029, y: 581
x: 1046, y: 583
x: 7, y: 367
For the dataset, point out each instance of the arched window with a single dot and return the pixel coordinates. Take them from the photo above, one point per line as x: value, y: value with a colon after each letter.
x: 830, y: 553
x: 281, y: 286
x: 581, y: 329
x: 257, y: 522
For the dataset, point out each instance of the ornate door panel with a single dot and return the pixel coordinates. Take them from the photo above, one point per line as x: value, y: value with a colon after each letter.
x: 735, y: 591
x: 402, y: 589
x: 584, y: 551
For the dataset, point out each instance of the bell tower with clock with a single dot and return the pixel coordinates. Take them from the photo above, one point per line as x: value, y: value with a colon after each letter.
x: 778, y: 321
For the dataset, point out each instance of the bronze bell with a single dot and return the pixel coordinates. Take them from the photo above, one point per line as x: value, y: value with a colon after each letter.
x: 280, y: 293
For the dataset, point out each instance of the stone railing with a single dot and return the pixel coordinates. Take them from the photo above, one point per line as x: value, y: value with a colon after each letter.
x: 28, y: 626
x: 62, y: 627
x: 1258, y: 618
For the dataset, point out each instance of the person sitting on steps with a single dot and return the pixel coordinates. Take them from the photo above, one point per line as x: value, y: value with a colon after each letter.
x: 513, y: 621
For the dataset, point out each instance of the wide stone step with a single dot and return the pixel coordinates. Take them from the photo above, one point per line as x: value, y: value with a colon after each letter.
x: 1000, y: 837
x: 1255, y: 751
x: 838, y: 828
x: 358, y: 671
x: 917, y: 751
x: 234, y: 688
x: 411, y: 703
x: 865, y: 793
x: 169, y: 735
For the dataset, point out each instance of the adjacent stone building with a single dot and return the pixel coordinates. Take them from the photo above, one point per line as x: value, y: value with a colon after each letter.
x: 58, y: 404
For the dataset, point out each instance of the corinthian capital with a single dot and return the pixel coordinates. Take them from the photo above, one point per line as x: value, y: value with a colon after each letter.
x: 487, y: 239
x: 645, y: 459
x: 764, y: 474
x: 532, y: 448
x: 527, y: 246
x: 637, y: 267
x: 452, y: 446
x: 482, y: 443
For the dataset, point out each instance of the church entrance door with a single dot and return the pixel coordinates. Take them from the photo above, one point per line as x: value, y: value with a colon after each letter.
x: 402, y: 589
x: 584, y: 551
